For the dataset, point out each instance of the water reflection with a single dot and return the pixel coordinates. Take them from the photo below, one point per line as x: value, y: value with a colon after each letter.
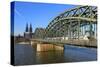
x: 27, y: 55
x: 50, y: 57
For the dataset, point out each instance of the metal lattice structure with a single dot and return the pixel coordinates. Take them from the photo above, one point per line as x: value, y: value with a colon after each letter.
x: 74, y: 23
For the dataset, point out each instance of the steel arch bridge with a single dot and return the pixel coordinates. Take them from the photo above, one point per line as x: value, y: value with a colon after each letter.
x: 75, y: 23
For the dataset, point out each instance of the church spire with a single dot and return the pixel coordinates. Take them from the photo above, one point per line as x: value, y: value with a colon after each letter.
x: 26, y: 28
x: 30, y: 29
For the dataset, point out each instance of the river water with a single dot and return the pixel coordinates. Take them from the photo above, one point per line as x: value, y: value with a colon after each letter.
x: 26, y: 55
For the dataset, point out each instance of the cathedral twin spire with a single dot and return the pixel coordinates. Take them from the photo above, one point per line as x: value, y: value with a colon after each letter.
x: 28, y: 29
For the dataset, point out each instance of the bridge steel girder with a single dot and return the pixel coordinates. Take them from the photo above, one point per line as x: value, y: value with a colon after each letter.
x: 79, y: 16
x: 83, y: 14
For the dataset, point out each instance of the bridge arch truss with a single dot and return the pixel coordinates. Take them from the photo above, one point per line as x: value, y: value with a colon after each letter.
x: 74, y: 23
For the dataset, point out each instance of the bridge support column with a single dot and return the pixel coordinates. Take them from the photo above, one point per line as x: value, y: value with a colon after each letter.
x: 48, y: 47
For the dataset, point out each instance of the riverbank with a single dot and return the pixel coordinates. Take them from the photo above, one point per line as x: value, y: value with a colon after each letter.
x: 23, y: 43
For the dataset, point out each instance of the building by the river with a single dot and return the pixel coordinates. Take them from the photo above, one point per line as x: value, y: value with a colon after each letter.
x: 28, y: 32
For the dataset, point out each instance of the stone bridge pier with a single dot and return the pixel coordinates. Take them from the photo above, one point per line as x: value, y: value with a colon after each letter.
x: 47, y: 46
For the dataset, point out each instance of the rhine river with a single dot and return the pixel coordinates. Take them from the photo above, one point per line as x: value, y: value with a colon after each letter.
x: 26, y: 55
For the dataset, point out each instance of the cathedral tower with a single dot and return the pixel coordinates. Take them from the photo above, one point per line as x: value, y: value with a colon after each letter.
x: 28, y: 32
x: 30, y: 29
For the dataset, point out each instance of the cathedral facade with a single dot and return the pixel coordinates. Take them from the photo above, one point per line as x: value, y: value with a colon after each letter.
x: 28, y: 32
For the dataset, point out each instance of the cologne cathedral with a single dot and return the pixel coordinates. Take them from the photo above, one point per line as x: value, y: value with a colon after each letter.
x: 28, y: 32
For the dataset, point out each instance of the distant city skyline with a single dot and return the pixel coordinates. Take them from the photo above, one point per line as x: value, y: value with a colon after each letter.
x: 37, y: 14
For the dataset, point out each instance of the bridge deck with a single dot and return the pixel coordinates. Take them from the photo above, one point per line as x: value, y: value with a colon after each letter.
x: 69, y: 42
